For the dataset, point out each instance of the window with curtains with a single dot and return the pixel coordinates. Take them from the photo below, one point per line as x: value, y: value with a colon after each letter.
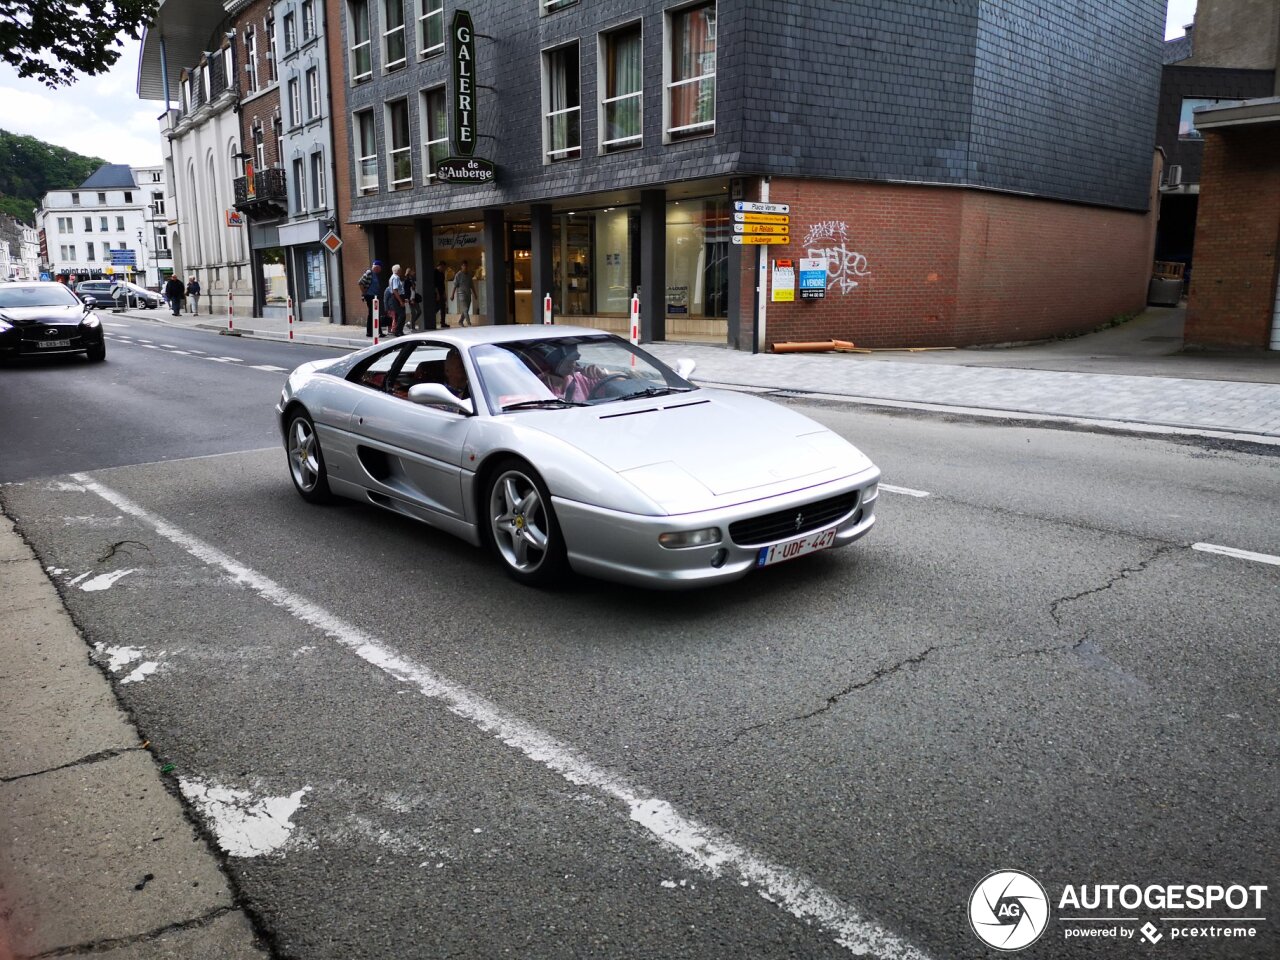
x: 621, y: 86
x: 299, y: 186
x: 393, y: 36
x: 290, y: 32
x: 318, y: 195
x: 313, y: 93
x: 561, y: 96
x: 399, y: 155
x: 366, y: 152
x: 431, y: 28
x: 308, y: 20
x: 361, y: 48
x: 435, y: 132
x: 295, y: 103
x: 691, y: 83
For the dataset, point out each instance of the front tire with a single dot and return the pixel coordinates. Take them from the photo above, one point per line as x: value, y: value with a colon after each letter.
x: 521, y: 526
x: 306, y: 462
x: 97, y: 354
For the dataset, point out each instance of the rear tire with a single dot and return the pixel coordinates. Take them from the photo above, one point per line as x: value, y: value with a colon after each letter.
x: 520, y: 525
x: 306, y: 462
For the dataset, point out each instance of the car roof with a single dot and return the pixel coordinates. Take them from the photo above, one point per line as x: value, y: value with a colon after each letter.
x: 504, y: 333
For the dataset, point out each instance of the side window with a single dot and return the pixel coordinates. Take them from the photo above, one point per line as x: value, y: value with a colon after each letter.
x: 375, y: 373
x: 425, y: 364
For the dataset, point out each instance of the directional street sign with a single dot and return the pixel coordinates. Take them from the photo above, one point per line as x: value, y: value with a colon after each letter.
x: 120, y: 258
x: 761, y: 218
x: 761, y: 228
x: 750, y: 206
x: 760, y: 238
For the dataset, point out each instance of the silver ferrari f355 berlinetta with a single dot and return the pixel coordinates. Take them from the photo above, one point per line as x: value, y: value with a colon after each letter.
x: 567, y: 448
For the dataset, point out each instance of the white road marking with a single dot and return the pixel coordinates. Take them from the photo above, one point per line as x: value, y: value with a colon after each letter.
x: 704, y: 846
x: 181, y: 352
x: 215, y: 359
x: 1233, y: 552
x: 232, y: 359
x: 140, y: 340
x: 268, y: 368
x: 124, y: 325
x: 246, y: 826
x: 197, y: 352
x: 149, y: 346
x: 905, y: 491
x: 105, y: 581
x: 168, y: 346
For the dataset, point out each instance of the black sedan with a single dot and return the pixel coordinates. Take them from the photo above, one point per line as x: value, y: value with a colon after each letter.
x: 42, y: 319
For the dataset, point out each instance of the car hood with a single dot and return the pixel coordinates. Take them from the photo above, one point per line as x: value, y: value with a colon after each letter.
x: 69, y: 315
x: 685, y: 449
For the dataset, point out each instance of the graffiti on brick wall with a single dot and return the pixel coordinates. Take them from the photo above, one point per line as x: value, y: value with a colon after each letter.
x: 830, y: 239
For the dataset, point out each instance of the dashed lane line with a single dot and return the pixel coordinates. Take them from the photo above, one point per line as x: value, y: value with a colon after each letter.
x: 905, y: 491
x: 1235, y: 552
x: 712, y: 850
x: 268, y: 368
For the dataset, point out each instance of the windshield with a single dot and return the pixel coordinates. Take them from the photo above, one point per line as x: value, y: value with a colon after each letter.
x: 569, y: 371
x: 42, y: 295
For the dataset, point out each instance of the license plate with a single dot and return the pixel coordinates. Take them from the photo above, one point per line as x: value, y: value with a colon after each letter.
x: 810, y: 543
x: 53, y: 343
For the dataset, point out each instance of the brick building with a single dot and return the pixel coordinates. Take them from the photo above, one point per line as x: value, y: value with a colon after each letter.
x: 971, y: 171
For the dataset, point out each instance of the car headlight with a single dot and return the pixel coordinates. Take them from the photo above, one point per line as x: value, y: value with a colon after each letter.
x: 5, y: 327
x: 689, y: 538
x: 90, y: 322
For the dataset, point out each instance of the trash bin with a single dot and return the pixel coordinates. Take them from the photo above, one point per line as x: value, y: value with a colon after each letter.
x: 1164, y: 292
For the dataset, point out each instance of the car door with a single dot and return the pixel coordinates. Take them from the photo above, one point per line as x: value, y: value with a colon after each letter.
x: 409, y: 451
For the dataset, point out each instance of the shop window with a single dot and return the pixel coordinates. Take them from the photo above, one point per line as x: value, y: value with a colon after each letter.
x: 435, y: 132
x: 367, y: 153
x: 313, y: 93
x: 622, y: 83
x: 698, y: 240
x: 616, y: 236
x: 361, y: 46
x: 690, y: 106
x: 315, y: 282
x: 393, y: 45
x: 400, y: 154
x: 562, y: 104
x: 431, y: 28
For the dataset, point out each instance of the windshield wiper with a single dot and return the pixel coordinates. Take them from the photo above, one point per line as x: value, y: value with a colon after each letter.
x: 553, y: 402
x: 649, y: 392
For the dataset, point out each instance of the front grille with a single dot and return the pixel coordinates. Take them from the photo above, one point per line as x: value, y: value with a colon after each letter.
x: 771, y: 527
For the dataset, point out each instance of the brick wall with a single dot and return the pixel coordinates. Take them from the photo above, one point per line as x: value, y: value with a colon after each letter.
x: 354, y: 255
x: 1233, y: 288
x: 261, y: 105
x: 933, y: 266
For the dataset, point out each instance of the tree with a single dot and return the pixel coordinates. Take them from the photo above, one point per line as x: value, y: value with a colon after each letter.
x: 57, y: 42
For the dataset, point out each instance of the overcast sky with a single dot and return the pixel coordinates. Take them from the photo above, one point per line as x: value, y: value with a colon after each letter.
x: 103, y: 117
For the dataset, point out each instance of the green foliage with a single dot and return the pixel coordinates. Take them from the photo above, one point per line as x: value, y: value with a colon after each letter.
x: 57, y: 43
x: 30, y: 168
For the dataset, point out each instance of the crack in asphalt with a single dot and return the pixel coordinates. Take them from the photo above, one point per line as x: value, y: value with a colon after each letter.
x: 880, y: 673
x: 111, y: 943
x: 1123, y: 574
x: 1045, y: 651
x: 111, y: 551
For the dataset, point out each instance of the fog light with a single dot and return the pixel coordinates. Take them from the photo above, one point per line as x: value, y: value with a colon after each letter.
x: 871, y: 492
x: 689, y: 538
x: 720, y: 557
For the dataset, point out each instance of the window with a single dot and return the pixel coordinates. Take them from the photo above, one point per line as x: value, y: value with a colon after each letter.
x: 88, y: 224
x: 102, y: 224
x: 367, y: 153
x: 120, y: 224
x: 290, y: 32
x: 62, y: 253
x: 269, y: 27
x: 431, y: 28
x: 251, y: 55
x: 277, y: 128
x: 299, y: 186
x: 308, y: 20
x: 66, y: 225
x: 435, y: 132
x: 691, y: 87
x: 75, y: 199
x: 162, y: 241
x: 563, y: 107
x: 259, y: 148
x: 119, y: 246
x: 622, y: 84
x: 1187, y: 116
x: 128, y: 196
x: 295, y: 103
x: 89, y: 255
x: 318, y: 198
x: 157, y: 203
x: 72, y: 248
x: 313, y: 93
x: 102, y: 198
x: 400, y: 157
x: 550, y: 6
x: 393, y: 37
x: 361, y: 49
x: 155, y: 176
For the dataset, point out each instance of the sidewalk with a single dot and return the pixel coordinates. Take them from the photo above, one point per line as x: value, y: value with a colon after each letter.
x: 1135, y: 376
x: 96, y: 855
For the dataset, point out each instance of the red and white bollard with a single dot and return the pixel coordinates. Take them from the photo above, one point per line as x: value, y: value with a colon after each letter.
x: 635, y: 324
x: 289, y: 301
x: 546, y: 309
x: 231, y: 304
x: 377, y: 320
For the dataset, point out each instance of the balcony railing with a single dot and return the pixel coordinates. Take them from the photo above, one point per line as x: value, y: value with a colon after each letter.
x: 270, y: 195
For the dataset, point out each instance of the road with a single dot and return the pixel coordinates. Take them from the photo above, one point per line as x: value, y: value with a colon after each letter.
x: 1025, y: 665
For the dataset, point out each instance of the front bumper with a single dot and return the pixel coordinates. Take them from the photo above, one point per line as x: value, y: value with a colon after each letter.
x: 624, y: 547
x: 25, y: 341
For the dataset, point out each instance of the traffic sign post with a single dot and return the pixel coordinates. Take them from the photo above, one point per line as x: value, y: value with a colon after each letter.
x: 749, y: 206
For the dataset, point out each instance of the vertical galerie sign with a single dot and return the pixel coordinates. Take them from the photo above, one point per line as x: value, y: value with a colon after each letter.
x: 462, y: 36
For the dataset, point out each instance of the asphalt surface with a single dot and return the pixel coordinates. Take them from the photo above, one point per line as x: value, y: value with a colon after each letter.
x: 1026, y: 667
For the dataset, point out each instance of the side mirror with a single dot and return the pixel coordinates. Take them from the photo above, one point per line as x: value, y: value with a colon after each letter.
x: 89, y: 302
x: 438, y: 395
x: 685, y: 367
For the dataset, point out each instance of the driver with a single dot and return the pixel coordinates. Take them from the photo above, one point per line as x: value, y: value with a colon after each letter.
x: 566, y: 378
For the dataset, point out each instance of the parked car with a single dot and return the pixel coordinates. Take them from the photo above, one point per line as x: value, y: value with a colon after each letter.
x: 45, y: 318
x: 567, y: 448
x: 127, y: 294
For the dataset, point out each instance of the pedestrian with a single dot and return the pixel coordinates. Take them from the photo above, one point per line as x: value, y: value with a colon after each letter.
x: 370, y: 290
x: 442, y: 302
x: 462, y: 291
x: 412, y: 297
x: 173, y: 292
x: 193, y: 295
x: 394, y: 302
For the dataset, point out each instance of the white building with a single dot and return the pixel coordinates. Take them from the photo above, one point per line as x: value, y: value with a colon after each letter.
x: 109, y: 226
x: 30, y: 253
